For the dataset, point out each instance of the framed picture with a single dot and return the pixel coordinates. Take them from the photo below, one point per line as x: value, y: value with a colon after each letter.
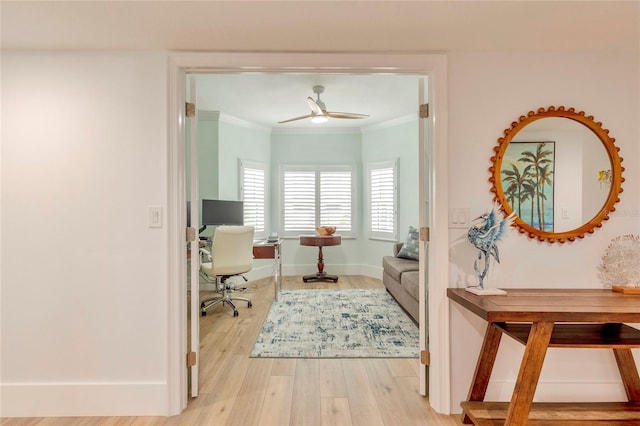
x: 528, y: 181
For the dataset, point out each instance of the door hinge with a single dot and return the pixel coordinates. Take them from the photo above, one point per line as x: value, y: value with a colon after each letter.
x: 425, y: 358
x: 191, y: 359
x: 424, y: 111
x: 424, y: 233
x: 190, y: 109
x: 191, y: 234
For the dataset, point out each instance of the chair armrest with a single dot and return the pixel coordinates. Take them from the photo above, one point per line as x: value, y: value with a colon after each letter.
x: 206, y: 253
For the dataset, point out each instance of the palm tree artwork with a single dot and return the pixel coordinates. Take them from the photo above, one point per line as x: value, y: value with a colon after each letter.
x: 528, y: 182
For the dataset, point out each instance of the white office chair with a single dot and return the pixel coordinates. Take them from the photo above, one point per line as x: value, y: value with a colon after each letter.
x: 231, y: 255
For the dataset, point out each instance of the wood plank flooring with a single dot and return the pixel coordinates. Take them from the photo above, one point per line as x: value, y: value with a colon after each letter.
x: 243, y: 391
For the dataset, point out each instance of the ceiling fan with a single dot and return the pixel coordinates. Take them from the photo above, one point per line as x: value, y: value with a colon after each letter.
x: 319, y: 113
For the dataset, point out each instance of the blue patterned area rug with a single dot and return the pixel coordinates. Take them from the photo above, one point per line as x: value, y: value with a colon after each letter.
x: 336, y: 324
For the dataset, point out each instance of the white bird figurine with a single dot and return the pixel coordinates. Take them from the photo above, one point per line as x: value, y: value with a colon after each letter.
x: 485, y: 233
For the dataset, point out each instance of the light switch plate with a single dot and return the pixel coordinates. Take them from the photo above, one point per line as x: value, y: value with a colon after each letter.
x: 155, y: 217
x: 459, y: 218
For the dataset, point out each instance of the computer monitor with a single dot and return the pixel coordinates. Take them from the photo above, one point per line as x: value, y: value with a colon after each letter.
x: 222, y: 212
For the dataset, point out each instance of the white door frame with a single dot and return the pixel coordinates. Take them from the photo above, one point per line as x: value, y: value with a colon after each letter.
x: 432, y: 65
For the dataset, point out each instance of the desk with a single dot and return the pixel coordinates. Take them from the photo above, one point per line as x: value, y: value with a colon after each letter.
x: 263, y: 249
x: 320, y: 241
x: 540, y: 319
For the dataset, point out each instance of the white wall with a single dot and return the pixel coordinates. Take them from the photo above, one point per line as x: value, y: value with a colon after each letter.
x: 84, y: 281
x: 330, y: 147
x: 84, y: 287
x: 487, y: 91
x: 398, y: 141
x: 239, y: 142
x: 208, y: 155
x: 207, y: 150
x: 243, y: 140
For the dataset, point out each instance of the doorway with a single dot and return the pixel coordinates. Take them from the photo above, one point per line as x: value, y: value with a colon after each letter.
x: 434, y: 66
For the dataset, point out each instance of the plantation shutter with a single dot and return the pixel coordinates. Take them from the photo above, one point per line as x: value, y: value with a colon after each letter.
x: 299, y: 207
x: 383, y: 200
x: 252, y: 193
x: 335, y: 200
x: 317, y: 195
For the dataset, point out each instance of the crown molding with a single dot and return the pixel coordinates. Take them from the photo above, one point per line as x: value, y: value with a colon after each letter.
x: 208, y: 115
x: 229, y: 119
x: 317, y: 130
x: 391, y: 123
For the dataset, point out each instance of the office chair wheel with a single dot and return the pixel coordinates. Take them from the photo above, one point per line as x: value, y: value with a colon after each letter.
x: 249, y: 304
x: 203, y: 314
x: 235, y: 313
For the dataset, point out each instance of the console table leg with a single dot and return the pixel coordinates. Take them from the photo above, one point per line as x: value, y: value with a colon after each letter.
x: 484, y: 367
x: 628, y: 372
x: 527, y: 381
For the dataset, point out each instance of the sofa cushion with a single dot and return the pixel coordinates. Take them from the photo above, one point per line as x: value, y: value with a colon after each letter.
x: 409, y: 249
x: 396, y: 266
x: 410, y: 281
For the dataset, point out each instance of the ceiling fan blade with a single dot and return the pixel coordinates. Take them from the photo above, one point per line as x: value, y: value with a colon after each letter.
x: 345, y: 115
x: 315, y: 108
x: 302, y: 117
x: 319, y: 113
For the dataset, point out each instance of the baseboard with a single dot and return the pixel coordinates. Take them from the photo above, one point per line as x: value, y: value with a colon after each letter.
x: 83, y: 399
x: 259, y: 273
x: 267, y: 271
x: 254, y: 274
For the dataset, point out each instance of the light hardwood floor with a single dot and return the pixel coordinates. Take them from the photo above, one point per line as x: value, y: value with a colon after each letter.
x: 238, y: 390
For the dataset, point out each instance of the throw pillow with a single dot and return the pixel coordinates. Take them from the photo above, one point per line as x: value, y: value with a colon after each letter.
x: 409, y: 249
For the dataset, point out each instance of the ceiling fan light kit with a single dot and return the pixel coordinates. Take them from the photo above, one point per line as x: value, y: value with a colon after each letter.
x: 319, y: 113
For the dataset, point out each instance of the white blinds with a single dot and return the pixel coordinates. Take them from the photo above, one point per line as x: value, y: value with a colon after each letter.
x: 335, y: 200
x: 299, y: 201
x: 314, y: 196
x: 253, y: 196
x: 382, y: 200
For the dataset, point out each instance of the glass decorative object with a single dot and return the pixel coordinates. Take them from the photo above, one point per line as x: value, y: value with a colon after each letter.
x: 484, y: 234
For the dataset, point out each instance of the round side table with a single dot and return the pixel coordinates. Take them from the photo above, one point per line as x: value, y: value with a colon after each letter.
x: 320, y: 241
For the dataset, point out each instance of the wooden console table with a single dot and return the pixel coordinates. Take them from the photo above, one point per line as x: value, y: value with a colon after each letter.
x: 544, y: 318
x: 320, y: 241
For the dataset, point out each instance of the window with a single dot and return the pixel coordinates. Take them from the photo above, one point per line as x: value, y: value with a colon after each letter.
x: 383, y: 200
x: 253, y: 194
x: 317, y: 195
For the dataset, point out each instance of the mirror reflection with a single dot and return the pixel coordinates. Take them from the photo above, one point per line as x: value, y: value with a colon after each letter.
x: 551, y: 174
x: 559, y: 171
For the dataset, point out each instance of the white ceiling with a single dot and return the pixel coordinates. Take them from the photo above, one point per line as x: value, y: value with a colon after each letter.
x: 265, y: 99
x: 319, y: 26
